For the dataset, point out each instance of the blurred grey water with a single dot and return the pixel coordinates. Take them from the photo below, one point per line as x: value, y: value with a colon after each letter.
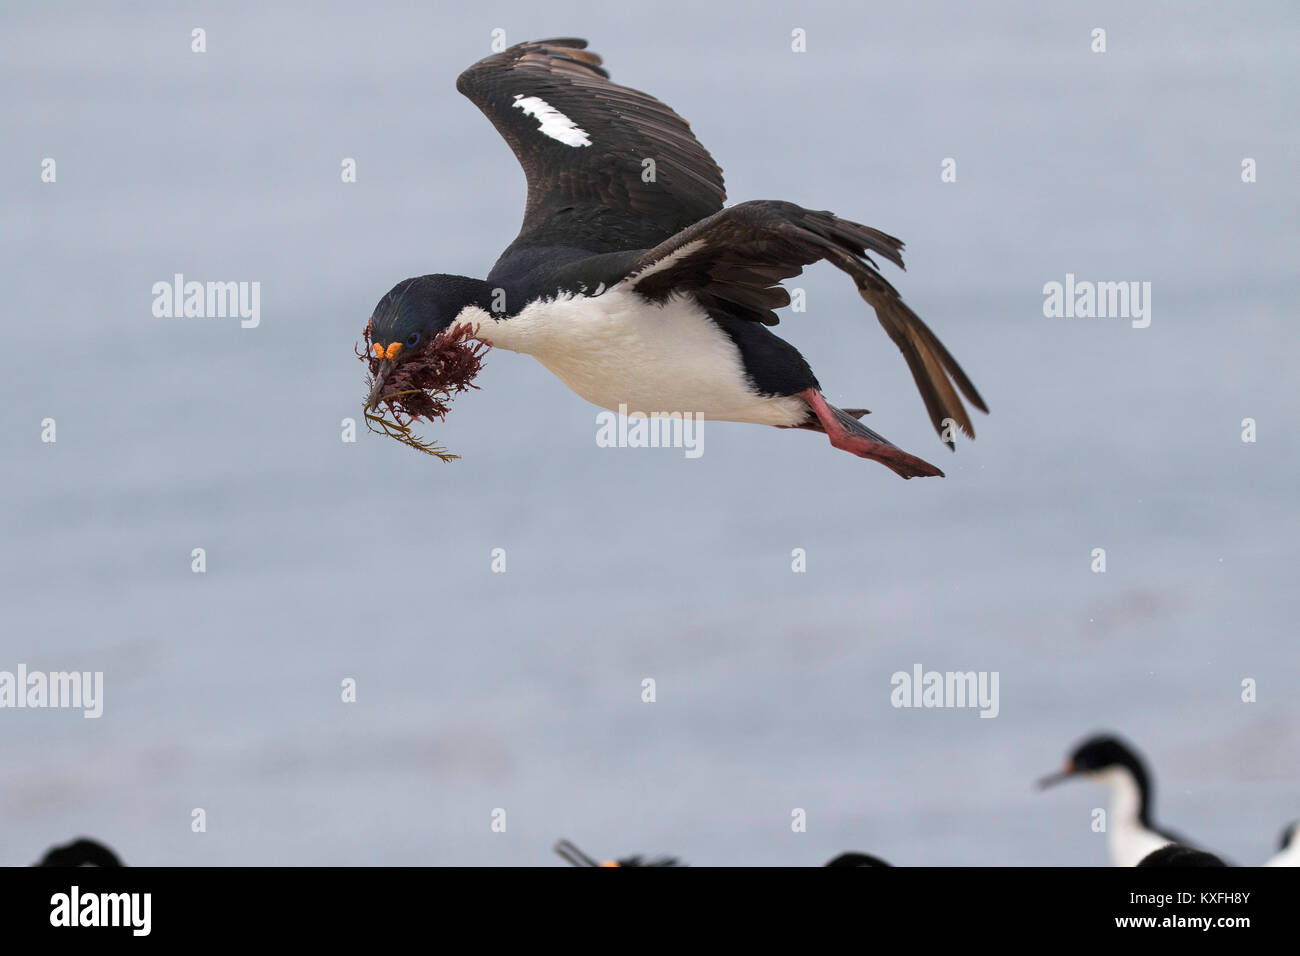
x: 521, y: 690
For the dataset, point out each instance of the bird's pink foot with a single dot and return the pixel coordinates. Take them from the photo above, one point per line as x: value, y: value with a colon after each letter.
x: 863, y: 442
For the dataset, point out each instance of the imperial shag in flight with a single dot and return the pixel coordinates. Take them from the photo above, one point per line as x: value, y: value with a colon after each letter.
x: 639, y: 290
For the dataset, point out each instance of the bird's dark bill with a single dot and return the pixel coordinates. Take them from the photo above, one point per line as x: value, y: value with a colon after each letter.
x: 420, y: 384
x: 1052, y: 779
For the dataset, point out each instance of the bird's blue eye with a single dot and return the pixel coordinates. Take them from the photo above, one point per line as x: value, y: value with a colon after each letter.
x: 413, y: 339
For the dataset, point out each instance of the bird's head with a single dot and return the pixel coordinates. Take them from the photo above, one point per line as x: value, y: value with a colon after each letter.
x: 1096, y: 757
x: 857, y: 859
x: 410, y: 316
x: 575, y: 857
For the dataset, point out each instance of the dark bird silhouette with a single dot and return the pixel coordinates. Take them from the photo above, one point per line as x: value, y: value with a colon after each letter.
x: 80, y: 852
x: 571, y: 854
x: 1175, y: 854
x: 632, y: 283
x: 575, y: 857
x: 857, y: 859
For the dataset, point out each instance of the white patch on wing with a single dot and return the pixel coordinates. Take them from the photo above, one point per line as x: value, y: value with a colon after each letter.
x: 619, y: 349
x: 554, y: 123
x: 675, y: 256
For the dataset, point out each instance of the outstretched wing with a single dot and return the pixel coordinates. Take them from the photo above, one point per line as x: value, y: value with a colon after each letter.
x: 619, y: 159
x: 735, y: 260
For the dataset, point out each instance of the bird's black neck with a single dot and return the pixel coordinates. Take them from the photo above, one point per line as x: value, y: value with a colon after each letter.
x: 1145, y: 789
x: 466, y: 291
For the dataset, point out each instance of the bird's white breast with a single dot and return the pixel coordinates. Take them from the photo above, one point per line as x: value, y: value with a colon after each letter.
x: 618, y: 349
x: 1128, y: 840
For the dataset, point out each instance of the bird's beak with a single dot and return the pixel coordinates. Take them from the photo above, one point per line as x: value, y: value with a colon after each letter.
x: 1065, y: 773
x: 381, y: 377
x: 573, y: 856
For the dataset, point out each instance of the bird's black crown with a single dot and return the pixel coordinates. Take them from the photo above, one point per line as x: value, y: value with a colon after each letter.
x: 417, y: 309
x: 1105, y: 751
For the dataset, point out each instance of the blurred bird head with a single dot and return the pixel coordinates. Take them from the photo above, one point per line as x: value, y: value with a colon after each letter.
x: 80, y: 852
x: 857, y: 859
x: 1098, y: 757
x: 575, y: 857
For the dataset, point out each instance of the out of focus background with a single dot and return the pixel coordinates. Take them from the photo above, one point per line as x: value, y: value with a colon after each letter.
x: 329, y: 560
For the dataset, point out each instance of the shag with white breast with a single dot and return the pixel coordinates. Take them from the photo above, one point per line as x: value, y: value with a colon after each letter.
x: 632, y: 283
x: 1132, y: 834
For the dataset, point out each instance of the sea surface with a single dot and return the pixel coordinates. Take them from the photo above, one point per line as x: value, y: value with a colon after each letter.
x: 476, y: 690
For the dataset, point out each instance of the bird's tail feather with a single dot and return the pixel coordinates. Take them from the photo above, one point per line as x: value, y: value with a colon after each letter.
x: 845, y: 244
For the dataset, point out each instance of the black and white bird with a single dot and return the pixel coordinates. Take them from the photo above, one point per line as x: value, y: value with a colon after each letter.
x: 1288, y: 851
x: 1131, y: 833
x: 632, y: 283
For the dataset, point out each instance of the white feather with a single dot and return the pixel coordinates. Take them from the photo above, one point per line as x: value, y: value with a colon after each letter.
x: 554, y: 123
x: 660, y: 264
x: 1127, y: 839
x: 618, y: 349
